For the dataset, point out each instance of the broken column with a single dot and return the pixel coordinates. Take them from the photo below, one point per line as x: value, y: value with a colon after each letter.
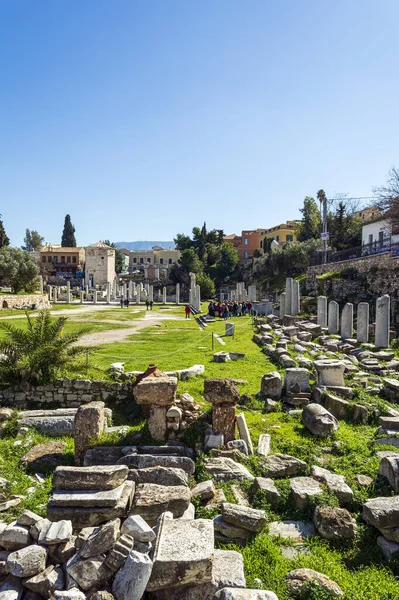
x: 156, y: 394
x: 362, y: 325
x: 223, y: 395
x: 282, y: 304
x: 296, y: 298
x: 88, y: 426
x: 382, y: 321
x: 330, y: 373
x: 347, y: 321
x: 333, y: 317
x: 322, y: 311
x: 288, y: 295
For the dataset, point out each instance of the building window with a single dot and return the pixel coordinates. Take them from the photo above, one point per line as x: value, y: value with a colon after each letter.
x: 68, y: 259
x: 277, y: 238
x: 370, y: 238
x: 170, y: 261
x: 289, y: 238
x: 246, y: 241
x: 63, y: 260
x: 49, y: 259
x: 135, y: 260
x: 161, y: 261
x: 245, y: 254
x: 261, y: 244
x: 43, y: 259
x: 148, y: 260
x: 141, y: 261
x: 74, y: 259
x: 56, y: 260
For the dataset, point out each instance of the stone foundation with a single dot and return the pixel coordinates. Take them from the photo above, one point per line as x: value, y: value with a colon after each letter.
x: 19, y: 301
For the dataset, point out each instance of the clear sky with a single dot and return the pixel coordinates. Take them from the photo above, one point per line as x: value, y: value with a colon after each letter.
x: 143, y: 118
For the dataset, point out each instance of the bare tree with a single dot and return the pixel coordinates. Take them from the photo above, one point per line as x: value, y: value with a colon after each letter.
x: 388, y: 195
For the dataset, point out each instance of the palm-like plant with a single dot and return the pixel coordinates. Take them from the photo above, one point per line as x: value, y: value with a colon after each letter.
x: 37, y: 353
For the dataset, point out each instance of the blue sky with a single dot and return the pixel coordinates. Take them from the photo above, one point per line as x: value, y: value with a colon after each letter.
x: 143, y: 118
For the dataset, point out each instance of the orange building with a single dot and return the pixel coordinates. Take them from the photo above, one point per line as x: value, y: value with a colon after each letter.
x: 246, y: 243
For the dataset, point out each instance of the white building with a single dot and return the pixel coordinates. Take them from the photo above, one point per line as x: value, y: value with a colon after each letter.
x: 100, y: 264
x: 378, y: 233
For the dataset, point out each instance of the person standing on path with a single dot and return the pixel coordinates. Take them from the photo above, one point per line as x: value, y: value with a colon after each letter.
x: 187, y: 311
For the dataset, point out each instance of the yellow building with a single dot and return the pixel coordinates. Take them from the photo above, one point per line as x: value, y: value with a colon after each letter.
x: 56, y: 260
x: 280, y: 233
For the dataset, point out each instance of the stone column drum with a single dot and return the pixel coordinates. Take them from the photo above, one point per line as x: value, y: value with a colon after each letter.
x: 88, y: 426
x: 156, y: 395
x: 330, y: 372
x: 223, y: 395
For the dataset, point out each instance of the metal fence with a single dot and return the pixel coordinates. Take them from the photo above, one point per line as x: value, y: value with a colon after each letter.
x: 381, y: 246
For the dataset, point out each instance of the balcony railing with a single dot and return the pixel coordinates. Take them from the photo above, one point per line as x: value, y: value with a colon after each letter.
x: 381, y: 246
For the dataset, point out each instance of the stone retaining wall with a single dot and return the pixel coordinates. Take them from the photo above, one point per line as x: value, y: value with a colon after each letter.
x: 23, y: 301
x: 64, y: 393
x: 373, y: 276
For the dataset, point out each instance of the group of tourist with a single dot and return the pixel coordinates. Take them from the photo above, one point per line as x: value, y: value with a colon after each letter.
x: 227, y: 310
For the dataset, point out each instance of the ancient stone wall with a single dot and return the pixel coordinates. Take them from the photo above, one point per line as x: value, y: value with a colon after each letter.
x: 362, y: 278
x: 23, y: 301
x: 64, y: 393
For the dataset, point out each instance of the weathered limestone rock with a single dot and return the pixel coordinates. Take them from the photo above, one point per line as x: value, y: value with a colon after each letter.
x: 143, y: 461
x: 382, y: 512
x: 119, y: 553
x: 336, y: 483
x: 363, y: 319
x: 28, y: 518
x: 271, y: 385
x: 205, y: 490
x: 297, y: 378
x: 219, y: 391
x: 226, y: 469
x: 229, y: 531
x: 389, y: 468
x: 347, y: 321
x: 322, y: 311
x: 151, y: 500
x: 319, y: 421
x: 264, y: 444
x: 302, y: 488
x: 138, y: 529
x: 60, y: 553
x: 43, y: 456
x: 382, y: 321
x: 224, y: 420
x: 159, y: 475
x: 88, y: 426
x: 55, y: 533
x: 299, y: 580
x: 46, y: 582
x: 27, y: 562
x: 72, y: 594
x: 283, y: 465
x: 132, y: 579
x: 244, y: 594
x: 90, y: 478
x: 15, y: 536
x: 334, y: 523
x: 227, y: 570
x: 269, y: 489
x: 244, y: 432
x: 88, y: 572
x: 333, y: 317
x: 239, y: 445
x: 389, y: 549
x: 183, y: 554
x: 11, y: 589
x: 242, y: 516
x: 102, y: 539
x: 91, y: 516
x: 297, y: 531
x: 158, y: 391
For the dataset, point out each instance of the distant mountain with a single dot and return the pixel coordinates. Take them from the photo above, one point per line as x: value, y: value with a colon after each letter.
x: 144, y: 245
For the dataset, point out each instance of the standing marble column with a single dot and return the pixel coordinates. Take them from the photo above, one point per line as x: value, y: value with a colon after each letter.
x: 114, y: 290
x: 347, y: 321
x: 177, y: 293
x: 164, y: 295
x: 95, y: 298
x: 382, y: 321
x: 55, y: 294
x: 288, y: 296
x: 322, y: 311
x: 81, y: 294
x: 68, y: 292
x: 151, y: 293
x: 130, y: 289
x: 138, y: 299
x: 282, y: 304
x: 296, y: 298
x: 363, y: 319
x: 108, y: 293
x: 50, y: 292
x: 41, y: 284
x: 333, y: 317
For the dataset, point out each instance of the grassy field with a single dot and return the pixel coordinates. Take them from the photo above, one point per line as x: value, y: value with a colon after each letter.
x: 359, y: 568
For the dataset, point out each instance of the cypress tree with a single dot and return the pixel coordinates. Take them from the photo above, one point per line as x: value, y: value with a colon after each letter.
x: 68, y: 235
x: 4, y: 239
